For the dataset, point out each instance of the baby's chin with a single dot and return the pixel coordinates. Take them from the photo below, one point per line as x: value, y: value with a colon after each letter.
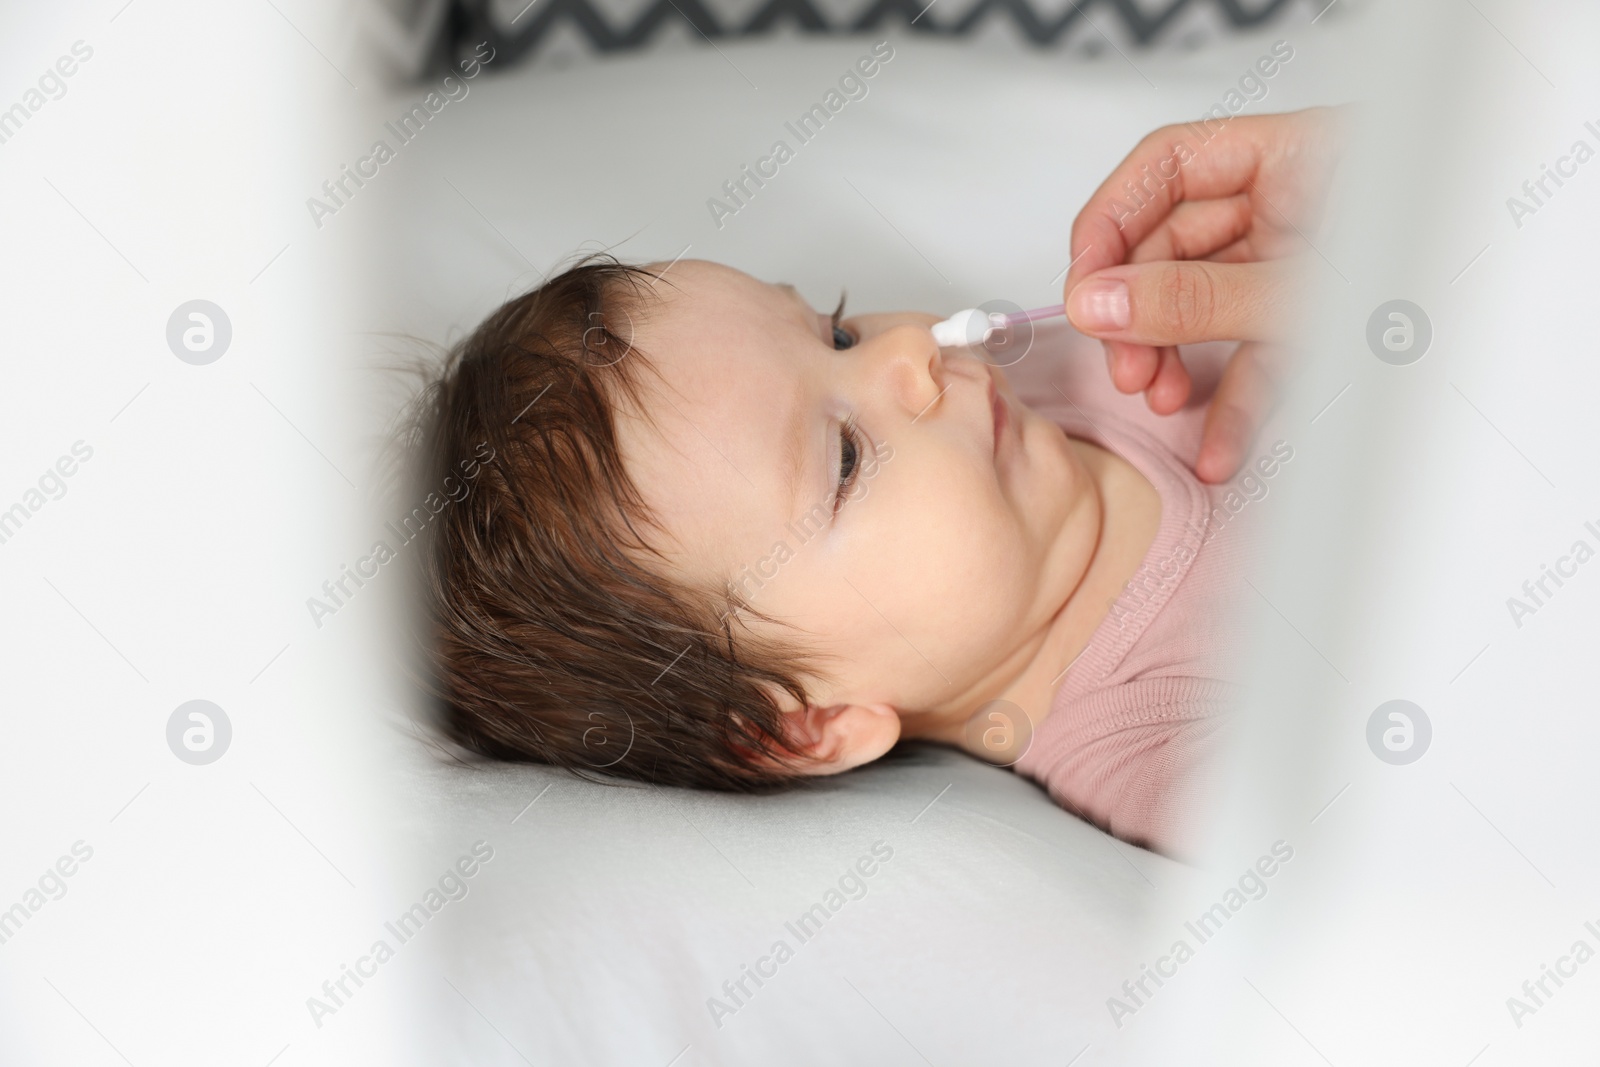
x: 1052, y: 470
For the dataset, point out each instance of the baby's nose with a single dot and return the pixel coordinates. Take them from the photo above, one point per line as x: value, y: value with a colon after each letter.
x: 909, y: 358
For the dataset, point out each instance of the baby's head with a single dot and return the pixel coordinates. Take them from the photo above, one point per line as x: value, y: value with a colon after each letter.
x: 726, y: 540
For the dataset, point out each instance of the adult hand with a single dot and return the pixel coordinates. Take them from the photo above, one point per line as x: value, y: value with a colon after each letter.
x: 1194, y: 237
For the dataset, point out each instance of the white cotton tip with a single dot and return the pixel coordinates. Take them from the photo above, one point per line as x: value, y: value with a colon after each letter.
x: 969, y: 328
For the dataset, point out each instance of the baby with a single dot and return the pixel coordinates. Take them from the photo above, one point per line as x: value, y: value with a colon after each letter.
x: 729, y: 541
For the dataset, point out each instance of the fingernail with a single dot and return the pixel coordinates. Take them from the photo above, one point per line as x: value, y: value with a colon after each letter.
x: 1101, y: 305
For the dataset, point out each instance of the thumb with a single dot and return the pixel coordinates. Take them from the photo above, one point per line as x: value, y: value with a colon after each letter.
x: 1182, y: 302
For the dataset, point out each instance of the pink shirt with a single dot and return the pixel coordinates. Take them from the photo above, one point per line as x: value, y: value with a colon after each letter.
x: 1139, y: 718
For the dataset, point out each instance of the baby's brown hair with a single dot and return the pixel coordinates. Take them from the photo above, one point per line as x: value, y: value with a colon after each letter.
x: 546, y: 635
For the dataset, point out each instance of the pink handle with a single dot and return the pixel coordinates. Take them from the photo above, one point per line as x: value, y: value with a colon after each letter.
x: 1036, y: 314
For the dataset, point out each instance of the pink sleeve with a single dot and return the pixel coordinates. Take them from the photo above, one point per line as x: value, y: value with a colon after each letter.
x: 1133, y: 756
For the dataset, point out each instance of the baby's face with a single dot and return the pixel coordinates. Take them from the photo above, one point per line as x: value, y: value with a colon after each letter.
x: 860, y: 494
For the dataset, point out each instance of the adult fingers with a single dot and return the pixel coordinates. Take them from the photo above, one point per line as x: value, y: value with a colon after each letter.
x: 1158, y: 373
x: 1243, y: 250
x: 1183, y: 303
x: 1133, y: 367
x: 1197, y: 230
x: 1170, y: 388
x: 1237, y: 410
x: 1189, y: 162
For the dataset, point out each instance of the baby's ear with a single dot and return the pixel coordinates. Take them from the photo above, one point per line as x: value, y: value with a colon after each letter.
x: 843, y: 736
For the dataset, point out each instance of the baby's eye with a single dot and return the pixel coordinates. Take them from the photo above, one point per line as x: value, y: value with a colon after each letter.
x: 842, y: 337
x: 849, y: 462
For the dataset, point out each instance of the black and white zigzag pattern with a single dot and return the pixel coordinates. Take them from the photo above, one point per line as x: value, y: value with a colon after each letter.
x: 516, y: 28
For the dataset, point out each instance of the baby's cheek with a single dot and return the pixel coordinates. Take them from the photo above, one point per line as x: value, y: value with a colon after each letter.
x: 978, y: 568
